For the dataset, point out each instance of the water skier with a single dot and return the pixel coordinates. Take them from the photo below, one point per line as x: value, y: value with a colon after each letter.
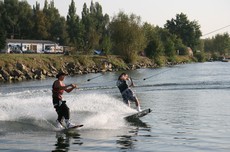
x: 126, y: 92
x: 62, y: 109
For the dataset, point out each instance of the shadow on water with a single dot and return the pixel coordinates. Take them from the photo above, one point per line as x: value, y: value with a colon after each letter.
x: 138, y: 123
x: 64, y: 140
x: 128, y: 141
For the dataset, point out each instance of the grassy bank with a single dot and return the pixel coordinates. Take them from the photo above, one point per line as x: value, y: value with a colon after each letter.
x: 37, y: 66
x: 8, y: 61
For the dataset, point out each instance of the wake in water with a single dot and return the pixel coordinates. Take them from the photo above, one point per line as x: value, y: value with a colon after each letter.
x: 33, y: 111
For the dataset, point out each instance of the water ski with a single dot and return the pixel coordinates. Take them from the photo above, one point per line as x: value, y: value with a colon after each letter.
x: 74, y: 127
x: 138, y: 115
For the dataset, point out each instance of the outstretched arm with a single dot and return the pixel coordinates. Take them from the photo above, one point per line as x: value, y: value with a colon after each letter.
x: 70, y: 87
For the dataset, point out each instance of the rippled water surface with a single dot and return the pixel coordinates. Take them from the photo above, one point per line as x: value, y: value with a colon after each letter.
x: 190, y: 103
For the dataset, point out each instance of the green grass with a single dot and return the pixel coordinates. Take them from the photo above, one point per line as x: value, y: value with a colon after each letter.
x: 35, y: 61
x: 32, y: 60
x: 117, y: 61
x: 43, y: 61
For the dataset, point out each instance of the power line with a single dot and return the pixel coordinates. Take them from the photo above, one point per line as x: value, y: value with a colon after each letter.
x: 215, y: 30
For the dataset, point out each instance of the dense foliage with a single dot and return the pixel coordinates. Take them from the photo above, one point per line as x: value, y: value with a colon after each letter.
x: 124, y: 35
x: 188, y: 31
x: 127, y: 36
x: 220, y: 44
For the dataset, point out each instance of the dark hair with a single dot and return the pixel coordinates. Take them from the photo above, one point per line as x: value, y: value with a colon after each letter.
x: 119, y: 78
x: 60, y: 74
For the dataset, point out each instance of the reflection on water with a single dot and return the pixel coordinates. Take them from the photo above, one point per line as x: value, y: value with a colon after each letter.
x: 64, y: 140
x: 73, y: 140
x: 128, y: 142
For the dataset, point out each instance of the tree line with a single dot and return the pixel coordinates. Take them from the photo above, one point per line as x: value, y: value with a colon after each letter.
x: 217, y: 46
x: 123, y: 34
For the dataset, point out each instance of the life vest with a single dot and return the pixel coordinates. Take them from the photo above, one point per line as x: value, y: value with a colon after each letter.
x: 122, y: 85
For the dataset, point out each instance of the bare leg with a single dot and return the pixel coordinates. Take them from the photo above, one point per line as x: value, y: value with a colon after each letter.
x: 128, y: 103
x: 137, y: 102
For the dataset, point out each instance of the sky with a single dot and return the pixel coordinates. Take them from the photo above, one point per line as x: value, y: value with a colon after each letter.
x: 211, y: 15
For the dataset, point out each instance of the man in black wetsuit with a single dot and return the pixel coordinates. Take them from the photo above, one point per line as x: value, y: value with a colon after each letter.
x: 126, y: 92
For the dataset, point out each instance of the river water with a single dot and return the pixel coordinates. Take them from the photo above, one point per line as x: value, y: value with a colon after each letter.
x: 190, y: 112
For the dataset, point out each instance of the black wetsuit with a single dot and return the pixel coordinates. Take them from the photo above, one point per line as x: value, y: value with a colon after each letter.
x: 122, y: 85
x: 126, y: 92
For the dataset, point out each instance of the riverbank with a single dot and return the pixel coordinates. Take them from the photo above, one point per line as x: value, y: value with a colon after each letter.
x: 20, y: 67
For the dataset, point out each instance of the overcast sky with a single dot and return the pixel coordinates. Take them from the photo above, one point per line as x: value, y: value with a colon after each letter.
x: 210, y: 14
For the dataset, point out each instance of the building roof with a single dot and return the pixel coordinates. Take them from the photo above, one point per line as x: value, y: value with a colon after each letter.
x: 29, y: 41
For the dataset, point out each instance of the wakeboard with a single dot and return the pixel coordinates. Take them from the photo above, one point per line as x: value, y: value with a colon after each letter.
x: 138, y: 115
x: 72, y: 128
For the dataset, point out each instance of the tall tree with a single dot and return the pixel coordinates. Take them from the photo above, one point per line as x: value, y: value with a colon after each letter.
x: 102, y: 22
x: 2, y: 29
x: 25, y: 20
x: 73, y: 23
x: 2, y: 39
x: 17, y: 16
x: 168, y: 41
x: 209, y: 45
x: 154, y: 48
x: 90, y: 35
x: 62, y: 35
x: 11, y: 18
x: 127, y: 36
x: 222, y: 43
x: 56, y: 25
x: 40, y: 30
x: 95, y: 33
x: 188, y: 31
